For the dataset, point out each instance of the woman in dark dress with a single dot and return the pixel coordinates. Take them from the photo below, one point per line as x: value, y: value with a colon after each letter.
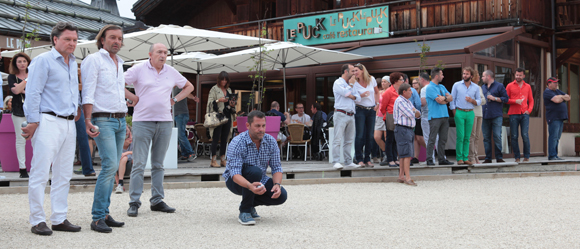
x: 17, y: 84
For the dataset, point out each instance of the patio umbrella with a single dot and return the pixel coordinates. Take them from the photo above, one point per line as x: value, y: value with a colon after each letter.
x: 282, y: 55
x: 4, y: 78
x: 190, y: 63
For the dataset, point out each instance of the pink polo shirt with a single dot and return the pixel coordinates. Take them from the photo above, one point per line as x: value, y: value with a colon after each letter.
x: 153, y: 90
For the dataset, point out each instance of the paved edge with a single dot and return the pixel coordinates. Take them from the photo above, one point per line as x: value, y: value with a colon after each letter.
x: 220, y: 184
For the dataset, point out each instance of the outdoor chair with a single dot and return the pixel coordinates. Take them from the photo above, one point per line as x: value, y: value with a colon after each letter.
x: 295, y: 140
x: 202, y: 140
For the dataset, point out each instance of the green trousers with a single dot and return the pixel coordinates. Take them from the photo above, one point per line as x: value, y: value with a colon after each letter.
x: 464, y: 124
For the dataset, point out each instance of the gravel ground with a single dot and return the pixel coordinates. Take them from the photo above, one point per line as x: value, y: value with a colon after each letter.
x: 538, y: 212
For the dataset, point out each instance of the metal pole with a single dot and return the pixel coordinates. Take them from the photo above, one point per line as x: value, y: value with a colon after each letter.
x: 554, y: 51
x: 284, y: 76
x: 198, y: 94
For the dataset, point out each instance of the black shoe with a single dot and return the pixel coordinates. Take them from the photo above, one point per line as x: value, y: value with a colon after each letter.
x: 112, y: 222
x: 430, y: 163
x: 101, y: 226
x: 23, y: 173
x: 414, y: 160
x: 41, y: 229
x: 66, y: 226
x: 162, y: 207
x: 385, y: 162
x: 500, y: 161
x: 133, y: 210
x: 445, y: 162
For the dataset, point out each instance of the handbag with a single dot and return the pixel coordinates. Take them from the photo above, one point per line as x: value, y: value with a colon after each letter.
x: 214, y: 119
x: 390, y: 122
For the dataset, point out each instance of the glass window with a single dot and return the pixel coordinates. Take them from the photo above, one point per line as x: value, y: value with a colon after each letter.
x: 504, y: 50
x: 504, y: 75
x: 530, y: 61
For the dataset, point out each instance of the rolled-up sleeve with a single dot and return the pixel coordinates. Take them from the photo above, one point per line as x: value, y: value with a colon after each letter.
x: 89, y: 76
x: 235, y: 160
x: 37, y: 77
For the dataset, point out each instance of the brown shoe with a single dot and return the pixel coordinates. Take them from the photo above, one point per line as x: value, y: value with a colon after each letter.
x: 468, y: 162
x: 400, y: 181
x: 223, y: 161
x: 214, y: 162
x: 517, y: 160
x: 459, y: 162
x: 526, y: 159
x: 487, y: 161
x: 41, y: 229
x: 411, y: 183
x: 66, y: 226
x: 500, y: 161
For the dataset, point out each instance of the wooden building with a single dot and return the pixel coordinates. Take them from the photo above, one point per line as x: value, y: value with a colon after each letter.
x: 499, y: 35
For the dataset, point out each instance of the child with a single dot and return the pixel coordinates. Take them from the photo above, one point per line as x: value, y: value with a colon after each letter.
x: 125, y: 162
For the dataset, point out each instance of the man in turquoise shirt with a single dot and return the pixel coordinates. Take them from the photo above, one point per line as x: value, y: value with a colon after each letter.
x: 437, y: 99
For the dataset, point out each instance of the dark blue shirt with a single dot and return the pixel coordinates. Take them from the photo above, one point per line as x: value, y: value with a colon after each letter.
x: 324, y: 116
x: 283, y: 118
x: 494, y: 109
x: 555, y: 111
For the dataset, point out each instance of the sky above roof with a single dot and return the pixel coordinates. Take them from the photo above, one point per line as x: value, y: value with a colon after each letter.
x: 124, y: 7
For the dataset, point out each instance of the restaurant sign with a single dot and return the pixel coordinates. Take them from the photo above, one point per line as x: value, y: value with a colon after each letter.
x: 354, y: 25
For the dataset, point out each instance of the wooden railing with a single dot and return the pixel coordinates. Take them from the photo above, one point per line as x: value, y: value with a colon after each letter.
x: 435, y: 16
x: 567, y: 15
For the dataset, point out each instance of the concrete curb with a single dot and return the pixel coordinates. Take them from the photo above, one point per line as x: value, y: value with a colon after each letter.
x: 221, y: 184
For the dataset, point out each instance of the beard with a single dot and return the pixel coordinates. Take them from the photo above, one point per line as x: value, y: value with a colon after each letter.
x: 467, y: 78
x: 518, y: 80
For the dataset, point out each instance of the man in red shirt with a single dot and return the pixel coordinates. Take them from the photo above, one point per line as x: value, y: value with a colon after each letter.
x: 521, y: 103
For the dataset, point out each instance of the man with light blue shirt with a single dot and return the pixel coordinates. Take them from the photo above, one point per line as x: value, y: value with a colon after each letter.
x: 344, y: 97
x: 465, y: 97
x: 105, y: 107
x: 437, y: 98
x: 52, y: 102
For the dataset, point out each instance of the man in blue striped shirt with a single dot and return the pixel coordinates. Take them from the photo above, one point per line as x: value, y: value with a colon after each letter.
x: 249, y: 155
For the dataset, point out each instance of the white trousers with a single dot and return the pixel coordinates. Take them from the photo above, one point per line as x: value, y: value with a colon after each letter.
x: 53, y: 143
x: 20, y: 141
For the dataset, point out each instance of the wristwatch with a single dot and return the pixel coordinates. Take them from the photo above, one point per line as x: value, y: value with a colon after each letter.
x: 174, y: 99
x: 278, y: 184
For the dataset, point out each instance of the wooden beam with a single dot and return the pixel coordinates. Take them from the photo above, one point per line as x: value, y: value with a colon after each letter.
x: 568, y: 43
x: 533, y: 42
x: 493, y: 41
x: 565, y: 56
x: 233, y: 7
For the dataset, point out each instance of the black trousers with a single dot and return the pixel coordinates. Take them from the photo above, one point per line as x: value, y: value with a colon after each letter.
x: 249, y: 199
x: 220, y: 135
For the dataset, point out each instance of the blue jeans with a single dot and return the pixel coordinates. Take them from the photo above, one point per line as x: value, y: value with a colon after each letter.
x: 554, y: 133
x: 84, y: 149
x: 110, y: 143
x: 184, y: 145
x: 365, y: 127
x: 489, y: 127
x: 516, y: 121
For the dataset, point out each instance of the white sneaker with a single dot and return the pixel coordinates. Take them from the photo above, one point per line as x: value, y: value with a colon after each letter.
x: 354, y: 165
x: 120, y: 189
x: 338, y: 166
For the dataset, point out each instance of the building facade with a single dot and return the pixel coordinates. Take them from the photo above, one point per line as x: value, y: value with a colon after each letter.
x: 499, y: 35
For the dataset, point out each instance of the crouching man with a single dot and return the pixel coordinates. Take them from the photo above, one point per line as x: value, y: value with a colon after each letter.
x: 249, y: 155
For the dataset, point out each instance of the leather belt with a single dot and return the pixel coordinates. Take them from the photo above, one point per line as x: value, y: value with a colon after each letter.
x: 70, y: 117
x: 108, y: 115
x: 364, y: 107
x: 345, y: 112
x: 409, y: 127
x: 465, y: 110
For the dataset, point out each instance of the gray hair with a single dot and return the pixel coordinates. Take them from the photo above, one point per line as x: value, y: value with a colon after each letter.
x: 424, y: 76
x: 274, y: 104
x: 255, y: 114
x: 59, y: 28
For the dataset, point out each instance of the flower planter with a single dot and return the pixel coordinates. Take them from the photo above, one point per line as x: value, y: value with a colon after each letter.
x: 272, y: 125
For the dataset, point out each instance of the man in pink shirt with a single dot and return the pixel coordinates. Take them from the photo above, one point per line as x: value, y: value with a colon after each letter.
x: 152, y: 121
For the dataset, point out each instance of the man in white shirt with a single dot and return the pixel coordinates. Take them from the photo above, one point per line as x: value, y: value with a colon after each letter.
x: 105, y: 107
x: 344, y: 97
x: 300, y: 117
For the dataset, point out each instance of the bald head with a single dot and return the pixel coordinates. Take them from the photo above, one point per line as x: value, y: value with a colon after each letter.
x: 158, y: 55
